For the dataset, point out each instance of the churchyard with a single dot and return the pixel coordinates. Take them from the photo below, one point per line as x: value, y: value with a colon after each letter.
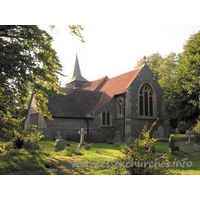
x: 90, y: 159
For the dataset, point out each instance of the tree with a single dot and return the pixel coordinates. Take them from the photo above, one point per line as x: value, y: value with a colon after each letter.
x: 74, y: 30
x: 187, y: 80
x: 153, y: 62
x: 167, y: 74
x: 27, y: 64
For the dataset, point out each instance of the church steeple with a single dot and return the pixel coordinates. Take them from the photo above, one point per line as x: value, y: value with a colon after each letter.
x: 77, y: 79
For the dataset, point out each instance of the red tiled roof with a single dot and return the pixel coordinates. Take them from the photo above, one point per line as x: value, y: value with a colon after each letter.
x: 94, y: 85
x: 117, y: 85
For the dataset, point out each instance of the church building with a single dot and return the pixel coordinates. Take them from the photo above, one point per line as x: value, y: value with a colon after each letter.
x: 104, y: 106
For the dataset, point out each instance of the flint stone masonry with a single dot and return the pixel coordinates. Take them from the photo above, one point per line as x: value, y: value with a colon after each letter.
x: 129, y: 122
x: 58, y: 136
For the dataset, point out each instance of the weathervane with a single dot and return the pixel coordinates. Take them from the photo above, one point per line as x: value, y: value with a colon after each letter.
x: 145, y: 59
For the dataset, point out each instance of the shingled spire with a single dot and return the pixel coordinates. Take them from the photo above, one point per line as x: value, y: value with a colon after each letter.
x: 77, y: 79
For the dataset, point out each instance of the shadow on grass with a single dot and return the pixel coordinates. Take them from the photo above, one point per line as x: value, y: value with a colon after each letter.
x: 21, y: 161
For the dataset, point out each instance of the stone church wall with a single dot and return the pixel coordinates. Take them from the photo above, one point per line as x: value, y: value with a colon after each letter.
x: 68, y: 128
x: 132, y: 104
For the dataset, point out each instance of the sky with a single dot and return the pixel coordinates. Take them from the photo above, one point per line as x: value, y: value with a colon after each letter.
x: 115, y: 49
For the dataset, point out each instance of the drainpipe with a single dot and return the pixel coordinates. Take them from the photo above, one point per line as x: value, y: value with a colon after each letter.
x: 124, y: 115
x: 87, y: 121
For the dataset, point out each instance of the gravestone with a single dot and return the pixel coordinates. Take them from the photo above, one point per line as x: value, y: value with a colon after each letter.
x: 58, y: 136
x: 155, y: 134
x: 59, y: 145
x: 161, y: 132
x: 82, y: 132
x: 196, y: 147
x: 30, y: 145
x: 127, y: 136
x: 117, y: 140
x: 188, y: 133
x: 177, y: 131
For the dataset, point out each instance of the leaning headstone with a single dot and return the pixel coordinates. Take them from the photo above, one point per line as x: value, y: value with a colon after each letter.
x: 58, y: 136
x: 117, y: 140
x: 59, y: 145
x: 196, y: 147
x: 161, y: 132
x: 30, y: 145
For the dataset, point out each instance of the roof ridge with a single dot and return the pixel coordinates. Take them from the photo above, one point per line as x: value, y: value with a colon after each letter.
x: 126, y: 72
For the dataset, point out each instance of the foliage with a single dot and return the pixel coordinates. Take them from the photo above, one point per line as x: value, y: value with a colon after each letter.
x: 153, y: 62
x: 8, y: 146
x: 187, y: 80
x: 182, y: 126
x: 18, y: 140
x: 28, y: 64
x: 196, y: 132
x: 86, y: 145
x: 178, y: 76
x: 177, y: 148
x: 142, y: 155
x: 76, y: 30
x: 188, y: 73
x: 172, y: 143
x: 34, y: 135
x: 164, y: 71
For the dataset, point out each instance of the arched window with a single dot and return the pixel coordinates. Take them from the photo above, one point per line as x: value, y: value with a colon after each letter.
x: 120, y: 107
x: 106, y: 118
x: 103, y: 118
x: 146, y: 100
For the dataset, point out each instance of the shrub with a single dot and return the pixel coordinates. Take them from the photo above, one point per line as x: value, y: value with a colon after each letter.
x: 176, y: 148
x: 86, y: 145
x: 142, y: 156
x: 182, y: 126
x: 8, y: 146
x: 196, y: 132
x: 18, y: 140
x: 172, y: 144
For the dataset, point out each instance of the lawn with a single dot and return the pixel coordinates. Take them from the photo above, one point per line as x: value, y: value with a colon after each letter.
x: 100, y: 159
x: 21, y: 161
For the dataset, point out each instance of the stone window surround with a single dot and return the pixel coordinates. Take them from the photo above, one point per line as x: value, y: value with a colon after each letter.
x: 106, y: 121
x: 154, y: 102
x: 120, y: 107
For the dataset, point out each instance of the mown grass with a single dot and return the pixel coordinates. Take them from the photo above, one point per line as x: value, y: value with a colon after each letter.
x: 21, y: 161
x: 186, y: 152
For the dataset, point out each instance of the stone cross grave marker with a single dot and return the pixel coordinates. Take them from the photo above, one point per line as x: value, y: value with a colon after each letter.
x: 82, y: 132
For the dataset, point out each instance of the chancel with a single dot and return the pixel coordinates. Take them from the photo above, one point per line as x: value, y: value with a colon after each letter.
x: 102, y: 107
